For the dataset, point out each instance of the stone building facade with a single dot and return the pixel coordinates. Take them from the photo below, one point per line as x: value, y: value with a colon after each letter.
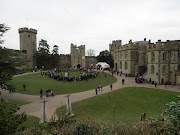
x: 158, y: 62
x: 28, y: 47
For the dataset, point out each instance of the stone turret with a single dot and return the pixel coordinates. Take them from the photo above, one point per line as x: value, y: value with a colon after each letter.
x: 78, y: 58
x: 28, y: 44
x: 116, y: 44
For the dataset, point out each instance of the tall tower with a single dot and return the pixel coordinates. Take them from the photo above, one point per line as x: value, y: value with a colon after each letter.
x: 116, y: 44
x: 78, y: 58
x: 82, y: 55
x: 28, y: 44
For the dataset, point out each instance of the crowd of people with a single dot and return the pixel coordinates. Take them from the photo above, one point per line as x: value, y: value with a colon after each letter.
x: 84, y: 74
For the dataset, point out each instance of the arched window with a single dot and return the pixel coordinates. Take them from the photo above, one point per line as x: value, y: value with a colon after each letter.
x: 178, y: 55
x: 126, y: 65
x: 165, y: 56
x: 179, y: 67
x: 120, y: 65
x: 152, y: 57
x: 164, y: 69
x: 152, y: 69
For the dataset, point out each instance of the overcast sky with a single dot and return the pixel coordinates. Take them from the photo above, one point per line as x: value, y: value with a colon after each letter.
x: 94, y: 23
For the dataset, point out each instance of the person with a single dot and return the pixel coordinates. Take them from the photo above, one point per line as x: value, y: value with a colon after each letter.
x: 99, y: 86
x: 41, y: 93
x: 155, y: 84
x: 143, y: 116
x: 136, y: 80
x: 111, y: 86
x: 24, y: 86
x: 172, y: 83
x: 96, y: 91
x: 123, y: 81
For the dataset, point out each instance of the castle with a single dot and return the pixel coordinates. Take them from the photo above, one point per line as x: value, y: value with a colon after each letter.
x: 28, y: 47
x: 158, y: 62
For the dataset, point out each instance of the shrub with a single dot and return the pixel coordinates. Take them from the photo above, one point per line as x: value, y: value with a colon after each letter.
x: 9, y: 121
x: 172, y: 114
x: 83, y: 129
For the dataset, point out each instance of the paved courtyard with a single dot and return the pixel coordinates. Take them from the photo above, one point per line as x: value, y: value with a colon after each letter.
x: 59, y: 100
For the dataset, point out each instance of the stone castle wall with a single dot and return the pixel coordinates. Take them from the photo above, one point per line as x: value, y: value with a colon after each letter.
x: 28, y: 45
x: 91, y: 60
x: 64, y: 61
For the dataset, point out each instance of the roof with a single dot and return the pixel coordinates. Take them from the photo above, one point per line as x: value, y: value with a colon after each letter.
x: 103, y: 64
x: 142, y: 42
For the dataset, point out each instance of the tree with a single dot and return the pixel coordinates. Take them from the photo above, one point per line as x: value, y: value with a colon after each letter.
x: 9, y: 60
x: 43, y: 46
x: 55, y: 57
x: 3, y: 29
x: 105, y: 56
x: 90, y: 52
x: 55, y: 49
x: 42, y: 57
x: 9, y: 120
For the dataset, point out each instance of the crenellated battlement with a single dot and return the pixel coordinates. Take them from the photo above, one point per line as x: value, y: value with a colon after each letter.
x: 166, y: 45
x: 25, y: 29
x: 82, y: 46
x: 117, y: 42
x: 75, y: 46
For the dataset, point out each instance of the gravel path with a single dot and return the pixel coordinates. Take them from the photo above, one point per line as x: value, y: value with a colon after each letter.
x: 59, y: 100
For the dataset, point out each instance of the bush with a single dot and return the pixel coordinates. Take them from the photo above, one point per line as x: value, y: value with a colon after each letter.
x: 172, y: 114
x: 9, y: 121
x: 83, y: 129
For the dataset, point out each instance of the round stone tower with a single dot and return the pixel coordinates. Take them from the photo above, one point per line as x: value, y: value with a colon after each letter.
x: 28, y: 44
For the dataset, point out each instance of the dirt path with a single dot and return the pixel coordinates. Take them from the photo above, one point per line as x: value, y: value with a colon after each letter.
x: 59, y: 100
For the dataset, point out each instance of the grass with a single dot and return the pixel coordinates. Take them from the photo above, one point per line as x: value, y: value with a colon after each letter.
x: 34, y: 83
x: 129, y: 104
x: 30, y: 122
x: 19, y: 103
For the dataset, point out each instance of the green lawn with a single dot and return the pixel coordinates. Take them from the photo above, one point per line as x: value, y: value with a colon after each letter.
x: 19, y: 103
x: 34, y: 83
x: 129, y: 104
x: 30, y: 122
